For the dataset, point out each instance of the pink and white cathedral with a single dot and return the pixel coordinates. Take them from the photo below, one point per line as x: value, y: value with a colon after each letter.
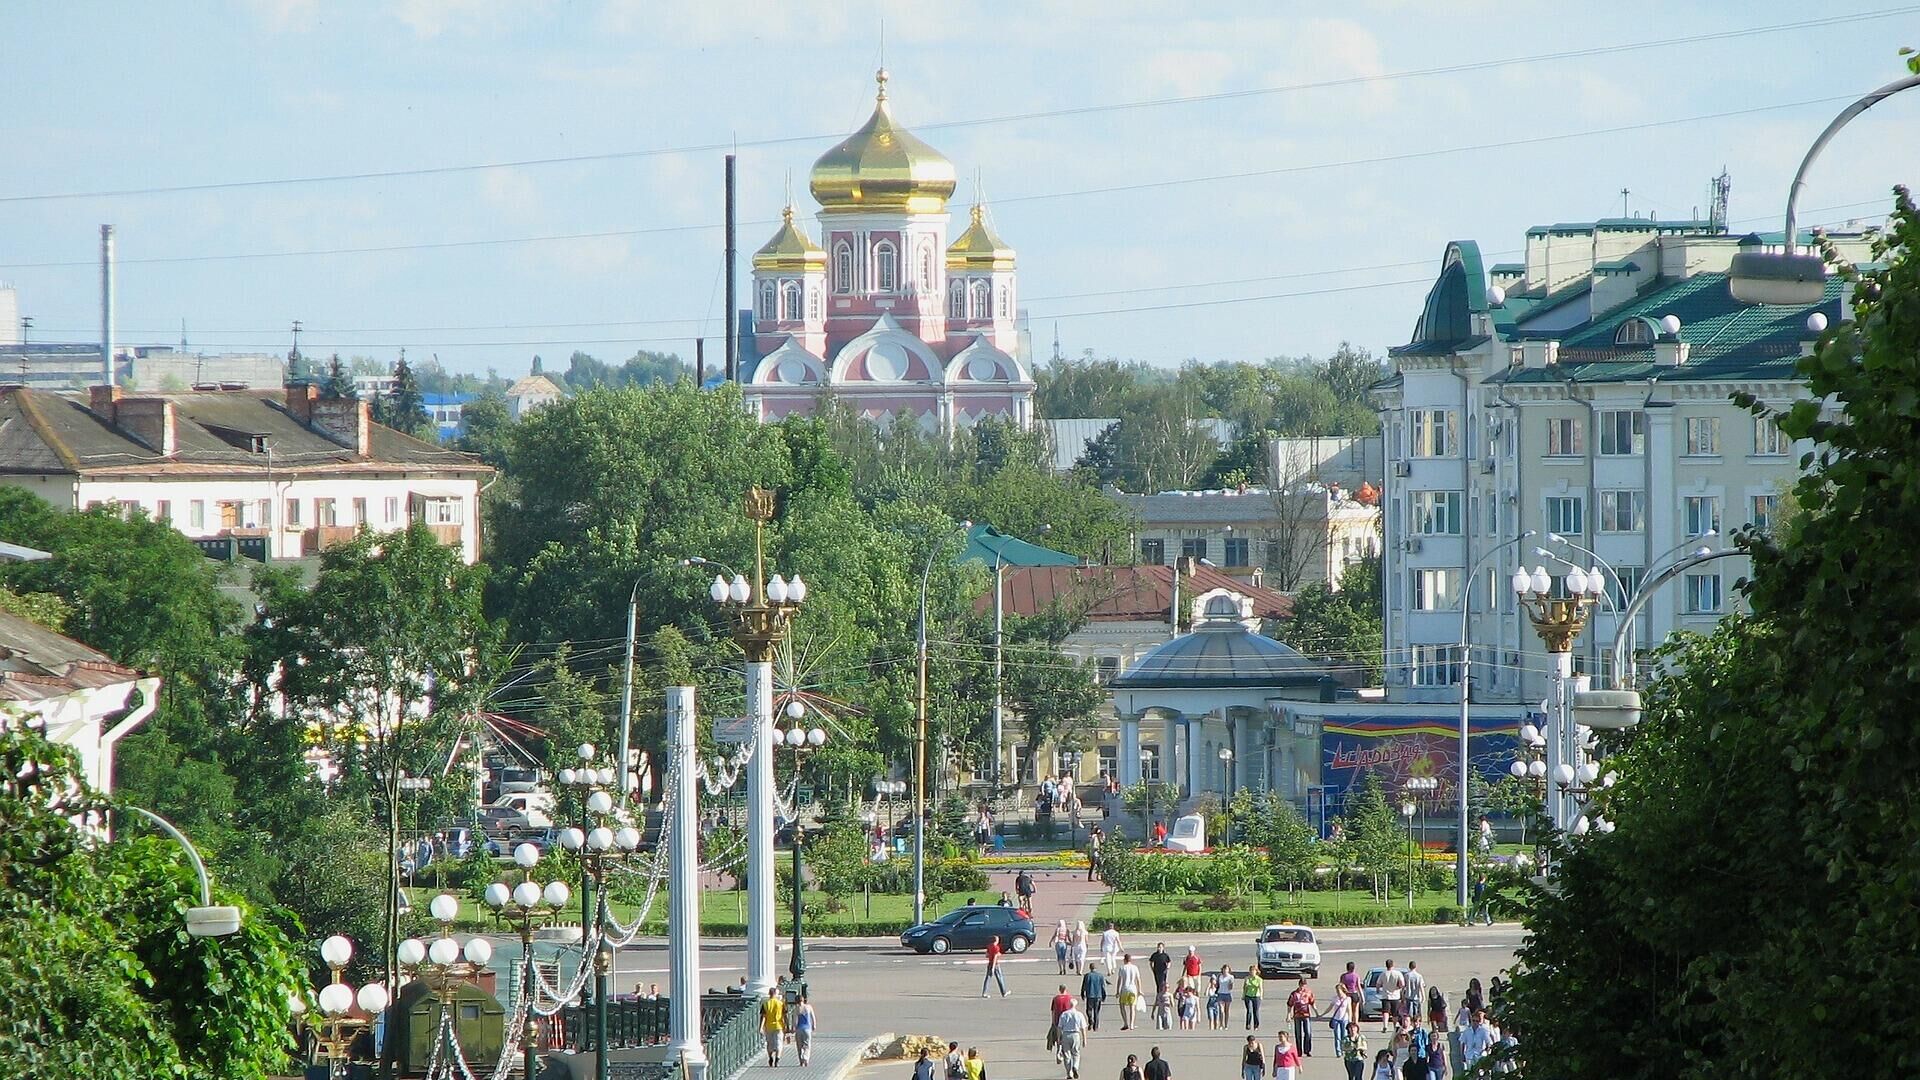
x: 884, y: 313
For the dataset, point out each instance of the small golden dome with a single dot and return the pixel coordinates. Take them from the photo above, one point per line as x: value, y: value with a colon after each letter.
x: 790, y: 249
x: 883, y: 167
x: 979, y: 248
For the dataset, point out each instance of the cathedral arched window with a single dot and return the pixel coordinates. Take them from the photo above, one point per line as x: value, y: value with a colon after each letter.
x: 926, y: 268
x: 813, y: 304
x: 1003, y: 301
x: 982, y: 301
x: 957, y: 300
x: 842, y: 267
x: 766, y: 301
x: 885, y: 267
x: 790, y: 300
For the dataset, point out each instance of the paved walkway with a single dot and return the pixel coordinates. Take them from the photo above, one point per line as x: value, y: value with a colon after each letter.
x: 834, y: 1056
x: 1057, y: 894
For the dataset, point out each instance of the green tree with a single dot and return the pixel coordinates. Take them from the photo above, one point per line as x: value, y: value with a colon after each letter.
x: 484, y: 424
x: 1374, y: 837
x: 405, y: 410
x: 1341, y: 628
x: 1679, y: 933
x: 339, y: 381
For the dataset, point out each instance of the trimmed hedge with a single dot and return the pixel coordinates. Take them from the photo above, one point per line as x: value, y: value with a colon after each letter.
x: 1200, y: 922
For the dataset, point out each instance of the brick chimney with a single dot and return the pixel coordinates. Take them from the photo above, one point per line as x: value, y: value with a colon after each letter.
x: 344, y: 420
x: 1670, y: 351
x: 102, y: 399
x: 300, y: 398
x: 148, y: 419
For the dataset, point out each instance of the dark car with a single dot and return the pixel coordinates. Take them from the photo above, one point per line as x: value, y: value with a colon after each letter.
x: 969, y: 929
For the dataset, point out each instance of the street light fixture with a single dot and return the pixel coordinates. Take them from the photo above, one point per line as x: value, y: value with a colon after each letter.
x: 209, y: 919
x: 1758, y: 277
x: 1466, y: 706
x: 335, y: 1027
x: 1558, y: 617
x: 598, y: 844
x: 525, y: 906
x: 1406, y: 811
x: 1226, y: 769
x: 801, y: 740
x: 444, y: 965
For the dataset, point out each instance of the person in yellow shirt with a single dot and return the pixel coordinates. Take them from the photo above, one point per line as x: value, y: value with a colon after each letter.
x: 773, y: 1023
x: 976, y: 1065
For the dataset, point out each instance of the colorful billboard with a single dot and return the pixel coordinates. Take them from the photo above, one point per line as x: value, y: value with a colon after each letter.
x: 1405, y: 747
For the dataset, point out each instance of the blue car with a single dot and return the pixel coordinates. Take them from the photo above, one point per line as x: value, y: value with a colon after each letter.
x: 969, y: 929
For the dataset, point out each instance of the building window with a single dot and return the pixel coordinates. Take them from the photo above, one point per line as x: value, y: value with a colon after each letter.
x: 1623, y: 511
x: 293, y: 513
x: 360, y: 513
x: 885, y: 267
x: 1109, y: 759
x: 1436, y: 665
x: 196, y: 514
x: 1109, y: 666
x: 766, y: 302
x: 393, y: 509
x: 1564, y: 515
x: 1436, y: 433
x: 1436, y: 513
x: 1150, y: 762
x: 790, y: 300
x: 440, y: 511
x: 1435, y: 590
x: 323, y: 514
x: 1765, y: 510
x: 1564, y: 437
x: 1703, y: 594
x: 1194, y: 548
x: 957, y: 300
x: 813, y: 305
x: 1623, y: 433
x: 1004, y: 294
x: 1237, y: 551
x: 842, y: 268
x: 1703, y: 436
x: 980, y: 308
x: 163, y: 512
x: 1153, y: 552
x: 1626, y: 585
x: 230, y: 513
x: 1768, y: 438
x: 926, y: 268
x: 1703, y: 514
x: 263, y: 513
x: 1634, y: 332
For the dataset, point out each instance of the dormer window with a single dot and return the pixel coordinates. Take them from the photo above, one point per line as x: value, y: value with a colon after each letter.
x: 257, y: 444
x: 1634, y: 332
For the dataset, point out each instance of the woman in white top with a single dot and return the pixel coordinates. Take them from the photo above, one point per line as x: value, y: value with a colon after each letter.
x: 1080, y: 949
x: 1110, y: 948
x: 1062, y: 945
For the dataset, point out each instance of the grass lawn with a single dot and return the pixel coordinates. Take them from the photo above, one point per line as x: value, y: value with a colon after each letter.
x: 1351, y: 907
x: 723, y: 914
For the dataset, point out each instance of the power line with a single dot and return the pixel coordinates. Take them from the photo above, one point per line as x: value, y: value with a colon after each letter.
x: 1009, y: 118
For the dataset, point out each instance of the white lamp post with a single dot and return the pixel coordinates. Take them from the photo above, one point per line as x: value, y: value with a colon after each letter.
x: 1558, y: 619
x: 526, y: 906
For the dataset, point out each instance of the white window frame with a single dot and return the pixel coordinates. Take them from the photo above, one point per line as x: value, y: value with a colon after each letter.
x: 1692, y: 506
x: 1566, y: 437
x: 1436, y: 433
x: 1612, y: 421
x: 1435, y: 513
x: 1704, y: 595
x: 843, y: 268
x: 1703, y: 436
x: 886, y: 267
x: 1768, y: 439
x: 1555, y: 512
x: 1763, y: 511
x: 1436, y: 588
x: 767, y: 308
x: 790, y: 299
x: 1436, y: 665
x: 1618, y: 505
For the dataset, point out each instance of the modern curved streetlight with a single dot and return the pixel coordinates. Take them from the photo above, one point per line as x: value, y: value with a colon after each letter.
x: 1759, y: 277
x: 209, y: 919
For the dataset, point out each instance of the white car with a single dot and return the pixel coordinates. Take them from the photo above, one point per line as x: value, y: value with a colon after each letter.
x: 1286, y: 949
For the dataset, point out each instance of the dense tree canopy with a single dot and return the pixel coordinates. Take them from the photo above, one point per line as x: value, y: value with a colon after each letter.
x: 1767, y: 853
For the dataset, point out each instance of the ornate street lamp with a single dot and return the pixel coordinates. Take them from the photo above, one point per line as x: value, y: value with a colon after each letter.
x: 444, y: 965
x: 1558, y: 616
x: 525, y: 906
x: 801, y: 740
x: 335, y: 1027
x: 600, y: 841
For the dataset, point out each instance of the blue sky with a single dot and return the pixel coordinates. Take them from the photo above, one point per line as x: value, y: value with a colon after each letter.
x: 114, y: 96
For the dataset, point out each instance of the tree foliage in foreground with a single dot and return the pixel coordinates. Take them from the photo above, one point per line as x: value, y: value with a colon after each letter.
x: 1755, y: 914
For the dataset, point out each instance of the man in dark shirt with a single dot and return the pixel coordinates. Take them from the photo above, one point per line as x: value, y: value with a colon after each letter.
x: 1160, y: 962
x: 1157, y: 1067
x: 1093, y: 991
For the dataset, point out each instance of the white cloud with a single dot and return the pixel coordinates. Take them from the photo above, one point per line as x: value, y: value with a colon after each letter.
x: 432, y: 18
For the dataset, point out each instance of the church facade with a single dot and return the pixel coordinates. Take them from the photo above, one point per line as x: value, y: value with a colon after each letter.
x: 883, y: 312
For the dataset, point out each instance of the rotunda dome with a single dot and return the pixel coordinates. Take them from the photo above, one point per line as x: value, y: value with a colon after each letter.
x: 1221, y: 654
x: 883, y: 166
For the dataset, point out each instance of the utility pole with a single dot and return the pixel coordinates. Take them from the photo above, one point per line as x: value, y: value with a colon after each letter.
x: 732, y: 316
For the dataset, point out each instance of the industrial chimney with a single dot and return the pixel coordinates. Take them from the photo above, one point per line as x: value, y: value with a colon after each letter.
x: 106, y: 304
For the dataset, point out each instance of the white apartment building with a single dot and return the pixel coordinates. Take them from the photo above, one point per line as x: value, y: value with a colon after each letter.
x: 74, y: 693
x: 1558, y: 395
x: 264, y: 474
x: 1283, y: 540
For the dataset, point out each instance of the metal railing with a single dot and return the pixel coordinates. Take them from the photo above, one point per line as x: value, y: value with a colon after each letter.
x: 729, y: 1026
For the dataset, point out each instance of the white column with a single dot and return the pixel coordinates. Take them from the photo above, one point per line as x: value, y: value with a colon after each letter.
x: 761, y: 976
x: 1129, y: 751
x: 683, y: 886
x: 1559, y: 736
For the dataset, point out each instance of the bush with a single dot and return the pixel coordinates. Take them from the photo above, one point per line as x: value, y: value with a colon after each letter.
x: 1203, y: 920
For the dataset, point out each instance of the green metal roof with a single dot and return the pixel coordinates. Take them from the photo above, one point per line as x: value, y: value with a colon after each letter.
x: 989, y: 545
x: 1507, y: 268
x: 1446, y: 320
x: 1617, y: 266
x: 1727, y: 339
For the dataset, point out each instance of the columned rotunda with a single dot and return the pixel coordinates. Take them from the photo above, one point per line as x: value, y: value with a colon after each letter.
x: 883, y: 312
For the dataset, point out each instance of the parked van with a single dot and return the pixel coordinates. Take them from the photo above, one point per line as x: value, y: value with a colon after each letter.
x: 519, y: 810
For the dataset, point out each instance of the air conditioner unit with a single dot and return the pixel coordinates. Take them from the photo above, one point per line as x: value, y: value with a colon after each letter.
x: 1403, y: 468
x: 1486, y: 465
x: 1411, y: 545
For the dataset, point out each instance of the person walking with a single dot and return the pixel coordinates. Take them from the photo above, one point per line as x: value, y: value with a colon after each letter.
x: 1190, y: 967
x: 1383, y: 1065
x: 1093, y: 994
x: 1475, y: 1040
x: 1161, y: 963
x: 1350, y: 982
x: 1286, y: 1058
x: 773, y: 1025
x: 993, y: 967
x: 1392, y: 986
x: 1414, y: 991
x: 1253, y: 1060
x: 956, y: 1062
x: 1223, y: 997
x: 1482, y: 908
x: 1340, y: 1019
x: 1250, y: 990
x: 1062, y: 945
x: 1436, y: 1008
x: 1061, y: 1002
x: 1157, y: 1066
x: 976, y: 1065
x: 1354, y: 1057
x: 1300, y: 1006
x: 803, y: 1024
x: 1023, y: 887
x: 1131, y: 1070
x: 923, y: 1066
x: 1078, y: 959
x: 1072, y: 1026
x: 1162, y: 1010
x: 1110, y: 947
x: 1128, y: 983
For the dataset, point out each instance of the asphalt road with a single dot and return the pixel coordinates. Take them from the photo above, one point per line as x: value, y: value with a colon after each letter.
x: 869, y: 986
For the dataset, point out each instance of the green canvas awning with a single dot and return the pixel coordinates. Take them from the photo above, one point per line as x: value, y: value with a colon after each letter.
x: 989, y: 545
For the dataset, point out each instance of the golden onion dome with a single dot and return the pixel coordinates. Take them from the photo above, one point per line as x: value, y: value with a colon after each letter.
x: 979, y: 248
x: 790, y: 249
x: 882, y: 166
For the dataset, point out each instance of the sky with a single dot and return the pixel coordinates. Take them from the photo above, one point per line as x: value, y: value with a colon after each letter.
x: 1299, y: 194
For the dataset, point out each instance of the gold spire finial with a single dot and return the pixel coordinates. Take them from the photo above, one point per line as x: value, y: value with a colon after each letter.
x: 979, y: 214
x: 880, y: 78
x: 786, y: 215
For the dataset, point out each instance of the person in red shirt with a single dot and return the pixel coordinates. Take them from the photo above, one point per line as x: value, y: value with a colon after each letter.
x: 1300, y: 1007
x: 1191, y: 966
x: 993, y: 968
x: 1159, y: 834
x: 1062, y: 1002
